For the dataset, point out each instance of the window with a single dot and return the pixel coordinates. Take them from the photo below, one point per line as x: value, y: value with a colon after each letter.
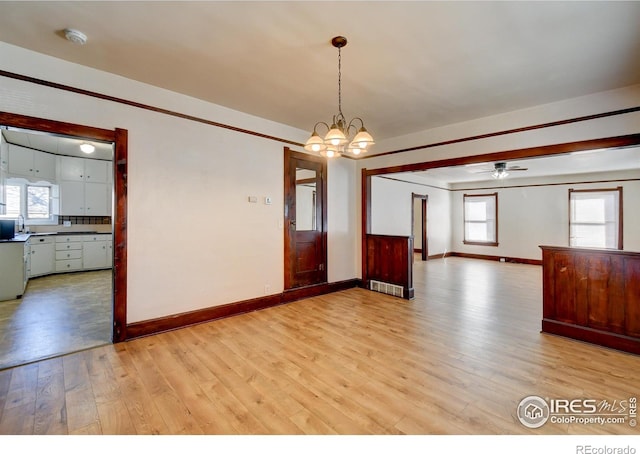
x: 595, y: 218
x: 481, y: 219
x: 14, y: 200
x: 38, y: 202
x: 34, y: 202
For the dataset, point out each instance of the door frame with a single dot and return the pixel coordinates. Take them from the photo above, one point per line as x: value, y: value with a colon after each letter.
x: 424, y: 254
x: 289, y: 156
x: 119, y: 137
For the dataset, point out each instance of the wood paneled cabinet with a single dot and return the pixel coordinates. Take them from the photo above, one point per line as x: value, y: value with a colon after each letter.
x: 390, y: 261
x: 592, y: 295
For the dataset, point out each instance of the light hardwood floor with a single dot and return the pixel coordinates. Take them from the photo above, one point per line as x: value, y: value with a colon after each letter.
x: 455, y: 360
x: 58, y: 314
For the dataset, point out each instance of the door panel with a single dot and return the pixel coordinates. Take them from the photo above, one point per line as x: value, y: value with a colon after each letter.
x: 305, y: 220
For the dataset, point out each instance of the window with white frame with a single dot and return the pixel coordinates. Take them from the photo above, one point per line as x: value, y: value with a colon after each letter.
x: 32, y: 201
x: 595, y: 218
x: 481, y: 219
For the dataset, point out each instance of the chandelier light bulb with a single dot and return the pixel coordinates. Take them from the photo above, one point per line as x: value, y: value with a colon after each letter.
x: 330, y: 153
x: 356, y: 151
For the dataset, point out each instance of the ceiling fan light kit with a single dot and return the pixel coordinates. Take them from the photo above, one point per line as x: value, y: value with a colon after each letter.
x: 338, y: 139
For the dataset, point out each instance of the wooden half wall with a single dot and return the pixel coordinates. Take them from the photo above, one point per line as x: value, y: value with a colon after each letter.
x: 592, y: 295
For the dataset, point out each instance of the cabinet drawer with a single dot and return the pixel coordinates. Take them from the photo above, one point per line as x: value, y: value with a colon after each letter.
x: 68, y: 246
x: 97, y: 237
x: 68, y: 265
x: 41, y: 240
x: 69, y: 254
x: 68, y: 238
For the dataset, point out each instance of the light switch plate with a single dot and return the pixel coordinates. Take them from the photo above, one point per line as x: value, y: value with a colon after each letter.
x: 67, y: 223
x: 267, y: 200
x: 253, y: 199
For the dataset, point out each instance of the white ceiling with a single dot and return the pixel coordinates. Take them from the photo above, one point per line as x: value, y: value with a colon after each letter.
x: 60, y: 145
x: 409, y: 66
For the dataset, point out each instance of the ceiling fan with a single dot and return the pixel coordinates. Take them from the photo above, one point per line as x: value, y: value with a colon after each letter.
x: 501, y: 170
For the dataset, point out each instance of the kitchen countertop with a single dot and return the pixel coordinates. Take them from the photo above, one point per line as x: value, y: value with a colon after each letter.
x: 22, y: 237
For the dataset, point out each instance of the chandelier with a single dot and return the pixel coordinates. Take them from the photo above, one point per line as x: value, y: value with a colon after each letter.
x: 341, y: 136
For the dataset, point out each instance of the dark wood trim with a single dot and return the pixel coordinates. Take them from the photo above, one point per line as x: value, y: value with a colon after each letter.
x: 514, y: 186
x: 464, y: 220
x: 593, y: 336
x: 424, y: 251
x: 519, y: 186
x: 495, y: 258
x: 120, y: 139
x: 120, y: 179
x: 289, y: 193
x: 620, y: 211
x: 318, y: 289
x: 532, y: 152
x: 177, y: 321
x: 130, y: 103
x: 509, y: 131
x: 306, y: 181
x: 365, y: 223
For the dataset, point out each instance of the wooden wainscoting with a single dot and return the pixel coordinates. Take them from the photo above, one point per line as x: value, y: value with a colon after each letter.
x: 390, y: 261
x: 592, y: 295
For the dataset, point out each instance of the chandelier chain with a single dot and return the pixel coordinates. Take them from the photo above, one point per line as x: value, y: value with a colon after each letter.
x: 339, y: 81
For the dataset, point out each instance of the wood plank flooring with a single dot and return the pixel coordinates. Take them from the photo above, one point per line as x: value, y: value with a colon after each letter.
x: 455, y: 360
x: 58, y: 314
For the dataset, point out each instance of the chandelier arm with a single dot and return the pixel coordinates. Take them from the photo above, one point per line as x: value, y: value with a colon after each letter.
x: 351, y: 125
x: 315, y: 127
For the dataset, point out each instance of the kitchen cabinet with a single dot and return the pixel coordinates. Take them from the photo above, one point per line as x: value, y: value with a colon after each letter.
x: 13, y: 277
x: 84, y: 199
x: 31, y: 163
x: 81, y: 169
x: 85, y: 188
x: 42, y: 252
x: 68, y: 255
x: 96, y: 252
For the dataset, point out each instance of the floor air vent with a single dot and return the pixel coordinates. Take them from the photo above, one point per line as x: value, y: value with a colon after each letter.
x: 389, y: 289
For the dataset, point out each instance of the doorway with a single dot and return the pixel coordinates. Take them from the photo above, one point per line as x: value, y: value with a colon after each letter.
x: 305, y: 219
x: 119, y: 139
x: 419, y: 225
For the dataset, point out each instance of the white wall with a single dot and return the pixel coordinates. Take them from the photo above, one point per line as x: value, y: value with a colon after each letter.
x: 391, y: 206
x: 539, y: 215
x: 194, y: 240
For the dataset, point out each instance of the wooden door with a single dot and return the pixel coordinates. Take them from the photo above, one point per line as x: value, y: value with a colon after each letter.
x: 305, y: 219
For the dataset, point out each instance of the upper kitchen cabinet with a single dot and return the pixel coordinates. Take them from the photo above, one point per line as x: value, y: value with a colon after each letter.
x: 87, y: 170
x: 32, y: 164
x: 85, y: 187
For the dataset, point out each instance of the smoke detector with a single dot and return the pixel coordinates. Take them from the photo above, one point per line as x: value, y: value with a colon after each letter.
x: 75, y: 36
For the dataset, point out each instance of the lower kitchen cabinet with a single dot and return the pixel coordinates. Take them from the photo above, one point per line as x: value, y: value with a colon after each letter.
x: 13, y: 268
x: 96, y: 252
x: 43, y: 253
x: 68, y: 253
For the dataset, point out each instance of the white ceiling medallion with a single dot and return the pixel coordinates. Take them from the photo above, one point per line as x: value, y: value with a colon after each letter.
x: 75, y: 36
